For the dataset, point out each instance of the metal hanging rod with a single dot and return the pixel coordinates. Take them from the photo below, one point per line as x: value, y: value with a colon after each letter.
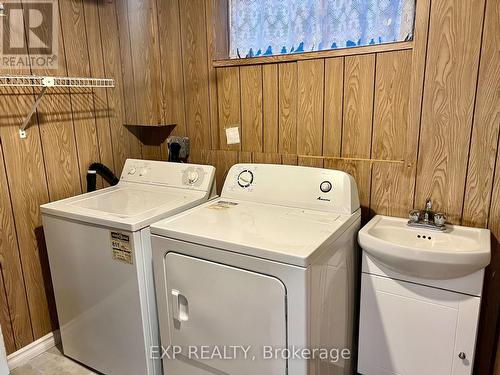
x: 46, y: 82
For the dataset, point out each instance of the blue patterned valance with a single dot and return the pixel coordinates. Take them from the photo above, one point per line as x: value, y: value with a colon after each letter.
x: 274, y: 27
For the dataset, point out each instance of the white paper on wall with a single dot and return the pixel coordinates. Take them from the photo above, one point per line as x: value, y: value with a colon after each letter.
x: 233, y: 135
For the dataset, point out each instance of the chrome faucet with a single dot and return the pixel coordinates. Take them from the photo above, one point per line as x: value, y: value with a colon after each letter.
x: 428, y: 214
x: 427, y: 218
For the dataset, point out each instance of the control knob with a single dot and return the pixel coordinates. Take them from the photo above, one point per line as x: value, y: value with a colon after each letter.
x: 193, y: 177
x: 245, y: 178
x: 325, y: 186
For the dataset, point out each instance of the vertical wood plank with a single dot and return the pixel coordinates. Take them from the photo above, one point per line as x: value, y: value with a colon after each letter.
x: 288, y: 108
x: 266, y: 158
x: 222, y: 160
x: 490, y: 303
x: 358, y: 106
x: 271, y: 107
x: 244, y: 157
x: 172, y: 88
x: 289, y: 159
x: 497, y: 362
x: 15, y: 313
x: 392, y: 98
x: 145, y: 61
x: 58, y: 131
x: 305, y: 161
x: 251, y: 107
x: 5, y: 322
x: 311, y: 74
x: 194, y: 56
x: 125, y: 59
x: 480, y: 182
x: 26, y: 177
x: 81, y: 103
x: 334, y: 96
x: 450, y: 84
x: 418, y: 63
x: 392, y: 184
x: 229, y: 94
x: 220, y: 28
x: 217, y: 43
x: 100, y: 100
x: 391, y: 191
x: 361, y: 171
x: 485, y: 129
x: 121, y: 138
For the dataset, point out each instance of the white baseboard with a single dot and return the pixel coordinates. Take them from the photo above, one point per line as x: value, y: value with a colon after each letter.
x: 24, y: 355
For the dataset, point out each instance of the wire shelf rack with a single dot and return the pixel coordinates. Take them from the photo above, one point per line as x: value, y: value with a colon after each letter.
x: 46, y: 82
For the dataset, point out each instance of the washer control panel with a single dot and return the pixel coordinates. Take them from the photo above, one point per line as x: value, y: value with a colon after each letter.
x: 189, y: 176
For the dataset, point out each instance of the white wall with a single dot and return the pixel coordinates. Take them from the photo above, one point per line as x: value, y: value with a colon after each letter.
x: 4, y: 370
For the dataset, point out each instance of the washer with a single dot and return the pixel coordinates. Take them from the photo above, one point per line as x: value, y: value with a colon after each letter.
x: 272, y: 263
x: 99, y: 252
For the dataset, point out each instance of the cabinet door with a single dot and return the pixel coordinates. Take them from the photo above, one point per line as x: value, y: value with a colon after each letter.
x: 411, y: 329
x: 218, y: 306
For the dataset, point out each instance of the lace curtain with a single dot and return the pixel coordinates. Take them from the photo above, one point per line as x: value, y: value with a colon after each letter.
x: 273, y: 27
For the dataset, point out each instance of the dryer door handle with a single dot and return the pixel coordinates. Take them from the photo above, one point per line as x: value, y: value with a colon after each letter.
x: 180, y: 307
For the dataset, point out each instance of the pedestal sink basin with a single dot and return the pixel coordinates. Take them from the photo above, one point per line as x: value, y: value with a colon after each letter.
x: 458, y: 251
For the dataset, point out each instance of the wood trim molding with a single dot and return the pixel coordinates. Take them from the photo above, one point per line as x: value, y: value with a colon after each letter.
x: 24, y: 355
x: 400, y: 46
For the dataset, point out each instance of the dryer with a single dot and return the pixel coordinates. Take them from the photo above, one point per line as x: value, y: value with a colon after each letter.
x: 100, y: 259
x: 270, y: 267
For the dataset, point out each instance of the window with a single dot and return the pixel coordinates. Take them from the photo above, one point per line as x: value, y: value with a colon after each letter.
x: 274, y: 27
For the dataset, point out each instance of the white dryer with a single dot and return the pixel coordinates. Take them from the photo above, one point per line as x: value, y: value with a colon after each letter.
x: 100, y: 258
x: 270, y: 265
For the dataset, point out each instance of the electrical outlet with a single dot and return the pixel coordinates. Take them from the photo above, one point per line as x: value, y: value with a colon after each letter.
x: 183, y: 142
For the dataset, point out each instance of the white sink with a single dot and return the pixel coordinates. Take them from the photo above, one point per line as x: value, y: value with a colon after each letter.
x: 456, y: 252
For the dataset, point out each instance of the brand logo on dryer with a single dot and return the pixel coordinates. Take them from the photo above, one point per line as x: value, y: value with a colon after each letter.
x: 323, y: 199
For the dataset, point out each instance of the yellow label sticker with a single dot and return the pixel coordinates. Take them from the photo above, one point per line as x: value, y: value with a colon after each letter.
x: 122, y: 248
x: 222, y: 205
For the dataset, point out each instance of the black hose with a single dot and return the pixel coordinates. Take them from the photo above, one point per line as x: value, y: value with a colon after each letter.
x: 103, y: 171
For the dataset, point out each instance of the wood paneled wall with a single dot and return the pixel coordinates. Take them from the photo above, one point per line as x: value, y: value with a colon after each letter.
x: 408, y: 124
x: 417, y: 121
x: 70, y: 130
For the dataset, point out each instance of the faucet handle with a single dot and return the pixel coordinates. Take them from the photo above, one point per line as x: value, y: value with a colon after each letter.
x: 428, y: 204
x: 414, y: 216
x: 439, y: 219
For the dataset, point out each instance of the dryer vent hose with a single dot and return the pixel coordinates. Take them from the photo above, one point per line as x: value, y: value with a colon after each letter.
x: 103, y: 171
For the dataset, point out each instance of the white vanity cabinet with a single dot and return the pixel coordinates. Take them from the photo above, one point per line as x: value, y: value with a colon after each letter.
x: 412, y: 326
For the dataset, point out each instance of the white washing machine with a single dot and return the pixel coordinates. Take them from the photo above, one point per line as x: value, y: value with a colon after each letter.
x: 268, y: 266
x: 100, y: 259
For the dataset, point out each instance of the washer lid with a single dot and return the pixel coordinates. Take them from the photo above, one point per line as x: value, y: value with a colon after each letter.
x: 285, y: 234
x: 127, y: 206
x: 127, y: 201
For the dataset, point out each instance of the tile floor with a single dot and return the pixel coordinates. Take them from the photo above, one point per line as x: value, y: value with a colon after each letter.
x: 52, y: 362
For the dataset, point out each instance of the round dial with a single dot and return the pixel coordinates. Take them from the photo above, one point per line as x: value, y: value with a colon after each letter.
x: 325, y: 186
x: 245, y: 178
x: 132, y: 171
x: 193, y: 177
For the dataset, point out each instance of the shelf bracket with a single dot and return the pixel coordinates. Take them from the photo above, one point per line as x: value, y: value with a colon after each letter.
x: 46, y: 82
x: 22, y: 129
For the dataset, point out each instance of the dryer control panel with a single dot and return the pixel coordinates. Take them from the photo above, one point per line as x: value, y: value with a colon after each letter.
x: 180, y: 175
x: 305, y: 187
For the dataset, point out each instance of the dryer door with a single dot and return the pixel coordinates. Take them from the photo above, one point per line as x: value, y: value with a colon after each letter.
x: 225, y: 319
